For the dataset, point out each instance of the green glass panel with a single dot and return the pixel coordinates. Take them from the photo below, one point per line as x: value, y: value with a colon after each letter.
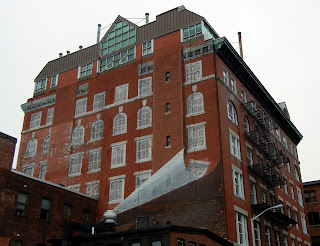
x: 185, y: 32
x: 109, y: 65
x: 90, y: 66
x: 125, y: 28
x: 114, y: 27
x: 103, y: 62
x: 131, y: 51
x: 116, y: 63
x: 22, y: 198
x: 131, y: 57
x: 131, y: 27
x: 111, y: 35
x: 104, y: 52
x: 192, y: 30
x: 117, y: 56
x: 125, y: 35
x: 124, y: 43
x: 43, y: 83
x: 124, y: 23
x: 124, y: 53
x: 132, y: 32
x: 117, y: 46
x: 118, y: 32
x: 118, y: 25
x: 144, y: 45
x: 132, y: 40
x: 118, y: 39
x: 104, y: 45
x: 110, y: 59
x: 149, y: 44
x: 198, y: 27
x: 111, y: 42
x: 110, y: 49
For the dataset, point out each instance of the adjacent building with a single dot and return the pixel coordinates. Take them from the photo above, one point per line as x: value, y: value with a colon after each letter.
x: 311, y: 196
x: 166, y: 121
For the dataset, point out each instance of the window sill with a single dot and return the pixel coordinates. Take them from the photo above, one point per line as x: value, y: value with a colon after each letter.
x: 115, y: 202
x: 168, y: 112
x: 196, y: 149
x: 236, y: 157
x: 195, y: 114
x: 117, y: 134
x: 94, y: 171
x: 95, y: 140
x: 241, y: 198
x: 167, y: 147
x: 311, y: 202
x: 122, y: 165
x: 74, y: 175
x: 143, y: 127
x: 144, y: 160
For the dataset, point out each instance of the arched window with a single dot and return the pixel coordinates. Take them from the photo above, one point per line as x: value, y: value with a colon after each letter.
x: 195, y: 104
x: 120, y: 124
x: 97, y: 130
x: 246, y: 124
x: 46, y: 143
x: 77, y: 136
x: 31, y: 148
x: 232, y: 113
x: 144, y: 117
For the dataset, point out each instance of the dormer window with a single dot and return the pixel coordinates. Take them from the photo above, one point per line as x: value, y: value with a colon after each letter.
x: 191, y: 32
x: 40, y: 85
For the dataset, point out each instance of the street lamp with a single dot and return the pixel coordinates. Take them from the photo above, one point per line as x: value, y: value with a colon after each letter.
x: 252, y: 219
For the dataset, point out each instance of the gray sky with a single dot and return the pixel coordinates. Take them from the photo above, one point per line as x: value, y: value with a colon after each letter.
x: 280, y: 42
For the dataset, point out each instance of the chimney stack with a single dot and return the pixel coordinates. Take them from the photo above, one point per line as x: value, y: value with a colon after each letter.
x: 147, y: 18
x: 240, y: 44
x: 98, y: 34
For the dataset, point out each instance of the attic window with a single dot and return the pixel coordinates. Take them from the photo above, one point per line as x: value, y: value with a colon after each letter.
x: 192, y: 31
x: 120, y: 35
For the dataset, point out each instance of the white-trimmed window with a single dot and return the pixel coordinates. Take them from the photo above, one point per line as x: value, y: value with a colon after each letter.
x: 289, y: 211
x: 198, y: 168
x: 285, y: 186
x: 74, y: 188
x: 235, y: 146
x: 117, y: 59
x: 81, y: 106
x: 46, y: 144
x: 225, y: 76
x: 191, y: 32
x: 263, y: 195
x: 144, y: 117
x: 242, y: 230
x: 246, y: 124
x: 121, y: 93
x: 194, y: 71
x: 238, y: 188
x: 97, y: 130
x: 31, y: 149
x: 196, y: 137
x: 296, y: 173
x: 147, y: 48
x: 257, y: 236
x: 268, y: 235
x: 35, y: 120
x: 144, y: 149
x: 300, y: 200
x: 285, y: 240
x: 94, y: 160
x: 289, y: 167
x: 295, y: 213
x: 40, y: 85
x: 304, y: 224
x: 43, y: 170
x: 77, y: 136
x: 93, y: 189
x: 285, y: 142
x: 116, y: 191
x: 85, y: 70
x: 99, y: 101
x: 54, y: 80
x: 145, y: 86
x: 28, y: 169
x: 142, y: 177
x: 232, y: 113
x: 233, y: 85
x: 50, y: 115
x: 249, y: 156
x: 120, y: 124
x: 118, y: 154
x: 195, y: 104
x: 243, y: 96
x: 292, y: 191
x: 75, y: 164
x: 278, y: 134
x: 253, y: 192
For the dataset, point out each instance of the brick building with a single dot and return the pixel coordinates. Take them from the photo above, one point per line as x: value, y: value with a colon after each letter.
x: 166, y: 120
x: 311, y: 195
x: 33, y: 210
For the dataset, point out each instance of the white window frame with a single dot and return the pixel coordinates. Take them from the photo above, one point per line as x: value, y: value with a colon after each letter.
x: 292, y: 191
x: 84, y: 70
x: 118, y: 154
x: 31, y: 149
x: 42, y: 87
x: 35, y: 120
x: 74, y: 188
x: 191, y: 35
x: 285, y: 141
x: 117, y: 127
x: 121, y: 96
x: 235, y: 148
x: 299, y: 195
x: 144, y: 117
x: 233, y: 85
x: 257, y: 233
x: 94, y: 160
x: 30, y: 167
x: 56, y: 83
x: 145, y: 87
x: 246, y: 124
x: 193, y: 71
x: 249, y: 156
x: 296, y: 173
x: 195, y: 104
x: 232, y: 113
x: 304, y: 224
x: 295, y: 213
x: 120, y: 196
x: 81, y: 106
x: 77, y: 136
x: 93, y: 188
x: 268, y: 235
x: 242, y: 229
x: 243, y: 96
x: 141, y: 177
x: 237, y: 177
x: 196, y: 137
x: 198, y: 168
x: 143, y: 155
x: 46, y: 144
x: 75, y: 164
x: 253, y: 192
x: 146, y: 48
x: 97, y: 130
x: 50, y: 113
x: 43, y: 169
x: 225, y: 75
x: 99, y: 101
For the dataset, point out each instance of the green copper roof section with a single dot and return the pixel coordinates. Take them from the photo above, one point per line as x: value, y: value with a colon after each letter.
x: 231, y: 57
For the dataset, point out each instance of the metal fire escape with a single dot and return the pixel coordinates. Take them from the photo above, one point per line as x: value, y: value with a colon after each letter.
x: 266, y: 169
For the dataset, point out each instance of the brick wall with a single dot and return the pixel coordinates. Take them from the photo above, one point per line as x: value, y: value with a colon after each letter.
x: 7, y: 147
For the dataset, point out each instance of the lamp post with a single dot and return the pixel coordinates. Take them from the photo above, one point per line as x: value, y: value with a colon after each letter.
x: 252, y: 219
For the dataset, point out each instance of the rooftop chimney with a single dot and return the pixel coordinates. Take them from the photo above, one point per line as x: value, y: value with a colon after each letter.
x: 240, y: 44
x: 60, y: 55
x: 80, y: 47
x: 147, y: 18
x: 98, y: 34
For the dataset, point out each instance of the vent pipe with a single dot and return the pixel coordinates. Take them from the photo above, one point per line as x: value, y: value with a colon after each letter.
x: 240, y: 44
x: 98, y: 34
x: 60, y: 55
x: 68, y: 52
x: 80, y: 47
x: 147, y: 18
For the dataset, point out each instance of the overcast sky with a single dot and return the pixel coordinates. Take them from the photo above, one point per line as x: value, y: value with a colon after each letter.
x: 281, y: 42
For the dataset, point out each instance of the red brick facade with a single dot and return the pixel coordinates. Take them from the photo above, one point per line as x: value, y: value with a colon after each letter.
x: 7, y: 147
x: 213, y: 134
